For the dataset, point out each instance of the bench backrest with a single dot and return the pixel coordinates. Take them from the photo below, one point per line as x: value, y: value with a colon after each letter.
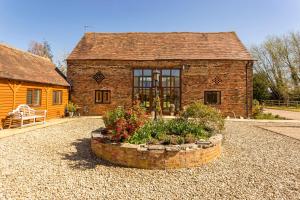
x: 23, y: 110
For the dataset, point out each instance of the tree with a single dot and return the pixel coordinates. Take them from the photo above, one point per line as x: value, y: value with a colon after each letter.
x: 62, y: 64
x: 261, y: 87
x: 278, y: 58
x: 41, y: 49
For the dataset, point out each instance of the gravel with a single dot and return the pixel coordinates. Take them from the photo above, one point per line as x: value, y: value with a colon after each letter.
x: 56, y: 163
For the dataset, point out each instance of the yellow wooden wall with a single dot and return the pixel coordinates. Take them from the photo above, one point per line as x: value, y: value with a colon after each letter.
x: 13, y: 93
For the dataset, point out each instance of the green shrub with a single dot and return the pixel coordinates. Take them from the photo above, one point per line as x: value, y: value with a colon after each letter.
x: 257, y: 109
x: 169, y: 132
x: 190, y: 138
x: 180, y: 140
x: 206, y: 116
x: 152, y: 129
x: 267, y: 116
x: 71, y: 107
x: 257, y: 112
x: 111, y: 117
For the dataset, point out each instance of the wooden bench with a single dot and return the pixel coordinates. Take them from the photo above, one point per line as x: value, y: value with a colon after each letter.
x: 24, y: 113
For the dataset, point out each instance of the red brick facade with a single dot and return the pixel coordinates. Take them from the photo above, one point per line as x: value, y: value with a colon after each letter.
x: 232, y: 77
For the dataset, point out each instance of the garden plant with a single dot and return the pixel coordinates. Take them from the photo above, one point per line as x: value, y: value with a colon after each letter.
x: 196, y: 122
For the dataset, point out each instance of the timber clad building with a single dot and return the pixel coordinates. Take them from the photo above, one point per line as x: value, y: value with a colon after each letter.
x: 107, y: 70
x: 29, y: 79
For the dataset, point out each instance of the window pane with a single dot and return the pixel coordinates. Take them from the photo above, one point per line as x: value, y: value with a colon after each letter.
x: 175, y: 72
x: 177, y: 82
x: 60, y: 97
x: 166, y: 72
x: 147, y: 72
x: 212, y: 97
x: 57, y: 97
x: 136, y: 81
x: 98, y: 97
x: 166, y: 81
x: 147, y: 82
x: 147, y: 98
x: 137, y: 72
x: 29, y: 97
x: 37, y: 97
x: 54, y: 97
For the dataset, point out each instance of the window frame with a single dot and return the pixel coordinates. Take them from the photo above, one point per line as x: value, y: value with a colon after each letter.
x: 219, y: 97
x: 174, y: 74
x: 102, y: 97
x: 54, y: 97
x: 33, y: 97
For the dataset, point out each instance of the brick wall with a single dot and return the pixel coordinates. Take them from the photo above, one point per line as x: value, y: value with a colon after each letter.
x: 229, y: 77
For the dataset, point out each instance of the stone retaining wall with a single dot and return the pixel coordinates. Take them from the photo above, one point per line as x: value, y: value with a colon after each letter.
x: 158, y: 156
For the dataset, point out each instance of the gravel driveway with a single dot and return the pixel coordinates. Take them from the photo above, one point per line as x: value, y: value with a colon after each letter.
x: 55, y: 163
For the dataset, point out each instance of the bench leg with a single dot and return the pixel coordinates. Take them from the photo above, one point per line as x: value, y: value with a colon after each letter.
x: 21, y: 122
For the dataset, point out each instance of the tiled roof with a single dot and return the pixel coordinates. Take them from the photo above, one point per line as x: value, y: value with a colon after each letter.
x: 160, y: 46
x: 19, y: 65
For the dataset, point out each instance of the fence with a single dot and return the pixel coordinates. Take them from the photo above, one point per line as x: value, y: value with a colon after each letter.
x: 281, y: 103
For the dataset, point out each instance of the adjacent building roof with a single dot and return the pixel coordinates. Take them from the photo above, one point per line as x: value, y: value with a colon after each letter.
x: 160, y: 46
x: 19, y: 65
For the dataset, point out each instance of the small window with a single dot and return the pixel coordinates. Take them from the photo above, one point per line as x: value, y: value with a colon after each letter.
x: 102, y: 96
x: 212, y: 97
x: 57, y: 97
x: 34, y: 97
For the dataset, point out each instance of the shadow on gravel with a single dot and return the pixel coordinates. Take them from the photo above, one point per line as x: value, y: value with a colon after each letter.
x: 83, y: 158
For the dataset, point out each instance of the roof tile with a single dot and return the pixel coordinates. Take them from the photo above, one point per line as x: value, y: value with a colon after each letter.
x: 160, y: 46
x: 20, y: 65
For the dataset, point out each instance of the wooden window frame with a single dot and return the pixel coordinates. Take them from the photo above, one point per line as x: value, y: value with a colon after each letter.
x: 53, y: 97
x: 102, y: 96
x: 141, y: 88
x: 218, y: 99
x: 33, y: 97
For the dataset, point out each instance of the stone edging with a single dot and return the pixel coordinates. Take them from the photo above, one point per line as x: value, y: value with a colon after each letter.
x: 157, y: 156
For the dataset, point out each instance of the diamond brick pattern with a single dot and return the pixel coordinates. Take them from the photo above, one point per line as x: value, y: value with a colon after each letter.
x: 98, y: 77
x: 217, y: 80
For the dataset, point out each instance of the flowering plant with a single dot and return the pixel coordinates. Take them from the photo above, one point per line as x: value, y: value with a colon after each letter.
x: 123, y: 123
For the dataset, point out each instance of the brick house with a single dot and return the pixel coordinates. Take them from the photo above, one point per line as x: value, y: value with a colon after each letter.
x: 111, y: 69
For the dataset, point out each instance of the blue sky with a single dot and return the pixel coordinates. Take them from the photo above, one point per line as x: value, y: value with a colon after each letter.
x: 62, y: 22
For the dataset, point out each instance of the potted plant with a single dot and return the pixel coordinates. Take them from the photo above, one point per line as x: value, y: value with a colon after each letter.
x: 71, y: 107
x: 172, y: 109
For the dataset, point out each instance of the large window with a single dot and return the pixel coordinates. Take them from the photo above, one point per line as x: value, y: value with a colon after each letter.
x: 57, y: 97
x: 212, y: 97
x: 102, y: 96
x: 168, y: 88
x: 34, y: 97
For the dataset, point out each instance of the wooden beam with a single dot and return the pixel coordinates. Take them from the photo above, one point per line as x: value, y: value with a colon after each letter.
x: 47, y: 89
x: 14, y: 87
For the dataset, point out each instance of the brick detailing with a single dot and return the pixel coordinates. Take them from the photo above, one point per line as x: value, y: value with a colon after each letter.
x: 158, y: 156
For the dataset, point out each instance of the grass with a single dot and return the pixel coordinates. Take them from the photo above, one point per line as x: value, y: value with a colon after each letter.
x: 294, y: 109
x: 267, y: 116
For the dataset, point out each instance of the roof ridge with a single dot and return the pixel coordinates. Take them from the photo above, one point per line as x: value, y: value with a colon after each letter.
x: 178, y: 32
x: 22, y: 51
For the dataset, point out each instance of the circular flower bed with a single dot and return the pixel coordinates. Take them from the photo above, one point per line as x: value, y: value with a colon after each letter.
x: 156, y: 156
x: 132, y: 139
